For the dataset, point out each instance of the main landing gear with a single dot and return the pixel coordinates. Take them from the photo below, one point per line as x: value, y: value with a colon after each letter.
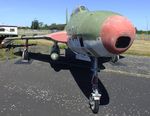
x: 94, y: 99
x: 25, y: 53
x: 115, y: 59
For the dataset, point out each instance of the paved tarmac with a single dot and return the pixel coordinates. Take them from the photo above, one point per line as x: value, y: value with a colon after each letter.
x: 36, y: 89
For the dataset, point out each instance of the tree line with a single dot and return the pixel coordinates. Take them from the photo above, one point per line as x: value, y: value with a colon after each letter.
x: 142, y: 31
x: 35, y: 24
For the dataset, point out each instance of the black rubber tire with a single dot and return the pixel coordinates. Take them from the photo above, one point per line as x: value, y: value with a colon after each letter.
x: 57, y: 69
x: 95, y: 106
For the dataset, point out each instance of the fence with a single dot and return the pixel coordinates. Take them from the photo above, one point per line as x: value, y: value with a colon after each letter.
x: 143, y: 36
x: 32, y: 32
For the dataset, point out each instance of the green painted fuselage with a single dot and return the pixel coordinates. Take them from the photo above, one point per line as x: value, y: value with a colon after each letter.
x: 99, y: 33
x: 87, y: 24
x: 84, y: 29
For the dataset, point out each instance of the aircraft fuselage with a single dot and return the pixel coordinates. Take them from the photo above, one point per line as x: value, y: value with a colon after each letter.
x: 99, y: 33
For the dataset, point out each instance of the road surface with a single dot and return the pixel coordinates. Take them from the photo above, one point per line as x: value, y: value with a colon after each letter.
x: 36, y: 89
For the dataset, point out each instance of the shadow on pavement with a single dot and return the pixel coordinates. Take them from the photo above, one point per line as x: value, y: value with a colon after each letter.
x: 80, y: 71
x: 83, y: 79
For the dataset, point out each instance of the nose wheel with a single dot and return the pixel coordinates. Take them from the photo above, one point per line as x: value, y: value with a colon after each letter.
x: 94, y: 99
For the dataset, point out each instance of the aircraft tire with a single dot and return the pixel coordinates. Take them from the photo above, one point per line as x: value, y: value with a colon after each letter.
x: 94, y: 105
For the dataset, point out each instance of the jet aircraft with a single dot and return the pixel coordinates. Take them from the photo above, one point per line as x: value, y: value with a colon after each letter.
x: 90, y: 35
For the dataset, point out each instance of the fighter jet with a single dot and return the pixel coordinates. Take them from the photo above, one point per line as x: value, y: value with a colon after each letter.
x: 90, y: 35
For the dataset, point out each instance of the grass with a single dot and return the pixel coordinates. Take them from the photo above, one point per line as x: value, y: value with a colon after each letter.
x: 38, y: 42
x: 2, y: 54
x: 10, y: 54
x: 139, y: 48
x: 7, y: 55
x: 41, y: 42
x: 32, y: 32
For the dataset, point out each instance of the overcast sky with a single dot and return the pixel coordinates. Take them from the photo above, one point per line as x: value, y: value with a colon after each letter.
x: 22, y: 12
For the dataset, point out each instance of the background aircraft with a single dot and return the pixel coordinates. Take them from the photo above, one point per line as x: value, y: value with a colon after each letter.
x: 90, y: 35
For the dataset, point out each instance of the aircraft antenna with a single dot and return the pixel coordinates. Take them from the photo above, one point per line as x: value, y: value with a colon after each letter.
x: 66, y: 16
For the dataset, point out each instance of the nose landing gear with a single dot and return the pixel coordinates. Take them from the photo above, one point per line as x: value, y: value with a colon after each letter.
x: 94, y: 99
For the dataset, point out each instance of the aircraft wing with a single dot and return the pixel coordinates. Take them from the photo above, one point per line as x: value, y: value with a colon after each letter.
x: 57, y: 37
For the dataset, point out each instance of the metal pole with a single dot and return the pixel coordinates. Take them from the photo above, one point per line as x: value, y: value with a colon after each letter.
x: 147, y: 23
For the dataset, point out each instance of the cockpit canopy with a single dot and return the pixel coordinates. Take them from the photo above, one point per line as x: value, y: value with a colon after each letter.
x: 79, y: 9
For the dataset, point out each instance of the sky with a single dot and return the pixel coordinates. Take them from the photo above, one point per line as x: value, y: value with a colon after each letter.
x: 23, y: 12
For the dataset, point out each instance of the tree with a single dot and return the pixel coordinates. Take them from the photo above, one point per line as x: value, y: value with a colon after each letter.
x: 41, y: 25
x: 53, y: 26
x: 35, y: 24
x: 45, y: 26
x: 57, y: 26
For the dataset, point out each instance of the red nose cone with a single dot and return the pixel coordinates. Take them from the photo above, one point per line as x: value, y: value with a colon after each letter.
x: 117, y: 34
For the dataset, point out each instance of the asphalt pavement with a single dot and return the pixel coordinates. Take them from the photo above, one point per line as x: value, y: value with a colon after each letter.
x: 43, y: 88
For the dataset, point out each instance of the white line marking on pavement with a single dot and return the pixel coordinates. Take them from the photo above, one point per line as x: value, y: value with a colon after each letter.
x: 127, y: 73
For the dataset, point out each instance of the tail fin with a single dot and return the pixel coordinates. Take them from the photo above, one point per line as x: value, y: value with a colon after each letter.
x: 66, y: 16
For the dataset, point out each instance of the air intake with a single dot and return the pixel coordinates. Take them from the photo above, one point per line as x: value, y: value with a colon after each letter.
x: 123, y: 42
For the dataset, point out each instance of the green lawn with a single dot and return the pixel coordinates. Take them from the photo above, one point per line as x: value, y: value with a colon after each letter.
x: 139, y: 48
x: 7, y: 55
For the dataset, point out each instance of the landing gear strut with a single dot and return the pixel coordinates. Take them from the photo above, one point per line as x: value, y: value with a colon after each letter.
x: 95, y: 96
x: 25, y: 53
x: 115, y: 59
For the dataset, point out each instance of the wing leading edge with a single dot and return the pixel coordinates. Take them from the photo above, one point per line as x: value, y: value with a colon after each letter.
x: 57, y: 37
